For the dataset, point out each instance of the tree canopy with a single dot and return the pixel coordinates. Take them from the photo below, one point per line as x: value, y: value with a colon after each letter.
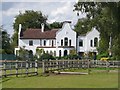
x: 5, y: 46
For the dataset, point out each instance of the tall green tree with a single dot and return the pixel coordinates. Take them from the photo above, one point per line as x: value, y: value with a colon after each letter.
x: 56, y: 25
x: 29, y: 19
x: 5, y: 44
x: 105, y: 16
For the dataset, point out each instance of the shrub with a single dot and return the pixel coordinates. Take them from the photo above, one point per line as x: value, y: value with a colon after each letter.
x: 46, y: 56
x: 102, y: 55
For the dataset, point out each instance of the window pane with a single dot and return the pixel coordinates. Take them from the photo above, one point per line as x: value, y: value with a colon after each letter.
x: 31, y: 43
x: 52, y: 43
x: 81, y: 43
x: 91, y: 43
x: 40, y: 42
x: 61, y: 42
x: 95, y: 42
x: 44, y: 43
x: 69, y: 42
x: 66, y: 41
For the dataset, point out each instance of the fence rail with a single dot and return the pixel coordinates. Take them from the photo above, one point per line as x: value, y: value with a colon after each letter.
x: 31, y: 67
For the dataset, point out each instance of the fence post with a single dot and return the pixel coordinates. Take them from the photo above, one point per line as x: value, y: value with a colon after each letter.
x: 43, y: 66
x: 16, y: 66
x: 57, y: 67
x: 107, y: 66
x: 68, y: 64
x: 36, y: 67
x: 4, y: 66
x: 27, y: 67
x: 88, y: 66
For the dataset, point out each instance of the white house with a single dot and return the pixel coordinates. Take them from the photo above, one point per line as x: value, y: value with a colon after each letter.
x: 88, y: 43
x: 57, y: 42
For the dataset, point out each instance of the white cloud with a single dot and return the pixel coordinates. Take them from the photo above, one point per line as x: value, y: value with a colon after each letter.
x: 61, y: 10
x: 56, y: 11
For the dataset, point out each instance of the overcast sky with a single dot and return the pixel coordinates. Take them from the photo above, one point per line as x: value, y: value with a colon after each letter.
x: 56, y: 10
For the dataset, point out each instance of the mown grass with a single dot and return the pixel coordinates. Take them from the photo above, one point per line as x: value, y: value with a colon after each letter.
x: 93, y: 80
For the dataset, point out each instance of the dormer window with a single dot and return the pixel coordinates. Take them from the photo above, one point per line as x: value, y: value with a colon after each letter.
x: 30, y: 43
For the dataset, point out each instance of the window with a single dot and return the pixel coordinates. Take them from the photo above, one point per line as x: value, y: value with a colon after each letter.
x: 54, y: 53
x: 66, y: 41
x: 40, y: 42
x: 65, y: 53
x: 59, y: 53
x: 44, y: 42
x: 69, y: 42
x: 81, y: 43
x: 52, y: 43
x: 91, y: 43
x: 47, y: 52
x: 61, y: 42
x: 30, y: 43
x: 95, y: 42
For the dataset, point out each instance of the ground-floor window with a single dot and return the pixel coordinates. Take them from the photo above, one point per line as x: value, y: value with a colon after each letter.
x: 59, y: 53
x: 65, y: 53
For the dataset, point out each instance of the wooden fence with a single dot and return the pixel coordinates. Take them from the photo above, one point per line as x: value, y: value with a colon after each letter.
x: 31, y: 67
x: 52, y: 65
x: 19, y: 67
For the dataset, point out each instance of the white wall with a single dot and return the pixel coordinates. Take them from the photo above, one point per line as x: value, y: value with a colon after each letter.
x: 66, y: 31
x: 86, y: 41
x: 81, y: 49
x: 36, y: 43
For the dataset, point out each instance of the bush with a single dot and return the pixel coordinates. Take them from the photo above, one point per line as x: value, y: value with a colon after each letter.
x: 102, y: 55
x: 46, y: 56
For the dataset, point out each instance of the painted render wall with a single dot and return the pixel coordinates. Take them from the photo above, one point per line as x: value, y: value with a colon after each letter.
x: 86, y: 41
x: 66, y: 31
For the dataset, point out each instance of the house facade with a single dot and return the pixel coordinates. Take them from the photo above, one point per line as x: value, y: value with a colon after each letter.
x: 58, y: 42
x: 88, y: 43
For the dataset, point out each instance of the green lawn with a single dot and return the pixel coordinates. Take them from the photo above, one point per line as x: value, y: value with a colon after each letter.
x: 94, y: 80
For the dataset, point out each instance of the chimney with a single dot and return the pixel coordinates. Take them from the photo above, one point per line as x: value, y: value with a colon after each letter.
x: 42, y: 27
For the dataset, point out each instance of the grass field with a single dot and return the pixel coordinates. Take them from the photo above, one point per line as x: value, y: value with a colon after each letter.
x: 94, y: 80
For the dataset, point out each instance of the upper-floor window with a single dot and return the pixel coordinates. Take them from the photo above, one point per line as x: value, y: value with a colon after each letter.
x: 62, y: 42
x: 52, y: 43
x: 44, y: 42
x: 81, y: 43
x: 66, y: 41
x: 40, y: 42
x: 91, y: 43
x: 95, y: 42
x: 30, y: 43
x: 69, y: 42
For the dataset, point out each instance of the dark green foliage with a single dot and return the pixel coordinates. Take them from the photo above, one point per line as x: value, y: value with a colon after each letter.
x: 46, y: 56
x: 102, y: 55
x: 5, y: 44
x: 23, y: 54
x: 105, y: 16
x: 56, y: 25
